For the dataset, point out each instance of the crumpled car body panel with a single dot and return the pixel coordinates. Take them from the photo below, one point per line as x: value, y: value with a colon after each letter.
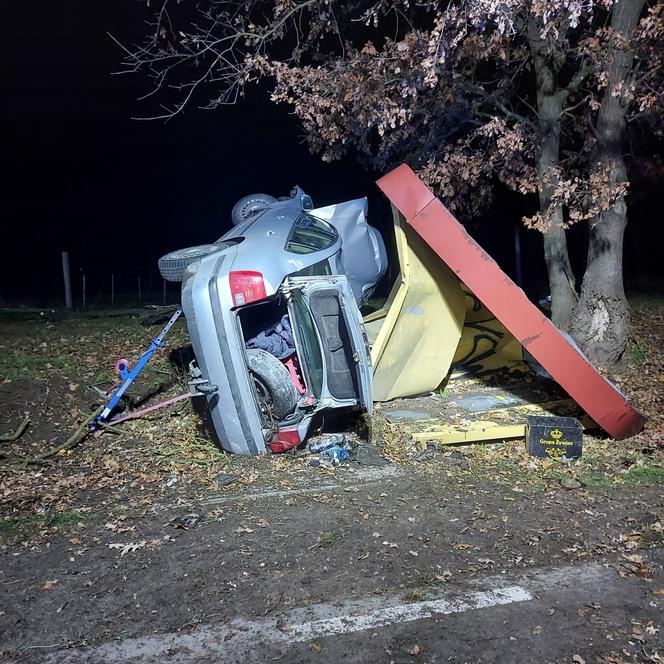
x: 363, y: 255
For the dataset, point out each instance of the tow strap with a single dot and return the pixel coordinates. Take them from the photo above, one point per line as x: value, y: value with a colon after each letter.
x: 129, y: 376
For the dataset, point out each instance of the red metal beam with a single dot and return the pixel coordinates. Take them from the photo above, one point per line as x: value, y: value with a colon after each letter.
x: 509, y: 304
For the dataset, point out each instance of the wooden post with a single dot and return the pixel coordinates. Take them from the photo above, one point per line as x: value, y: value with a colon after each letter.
x: 67, y: 278
x: 112, y: 289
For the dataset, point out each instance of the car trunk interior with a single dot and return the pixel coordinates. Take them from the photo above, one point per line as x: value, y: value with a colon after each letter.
x: 257, y: 318
x: 340, y: 370
x: 260, y: 317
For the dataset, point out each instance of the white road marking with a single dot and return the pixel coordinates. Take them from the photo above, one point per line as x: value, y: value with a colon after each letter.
x: 402, y: 613
x: 243, y: 640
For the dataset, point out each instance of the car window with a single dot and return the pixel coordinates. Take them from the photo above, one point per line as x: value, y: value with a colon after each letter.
x: 320, y: 269
x: 312, y: 359
x: 310, y: 234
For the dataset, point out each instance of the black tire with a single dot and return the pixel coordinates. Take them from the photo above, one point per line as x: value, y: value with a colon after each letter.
x: 173, y: 264
x: 276, y: 392
x: 248, y: 206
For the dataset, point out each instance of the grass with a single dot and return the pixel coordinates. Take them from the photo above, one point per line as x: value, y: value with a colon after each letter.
x: 424, y: 585
x: 186, y: 449
x: 635, y: 354
x: 602, y: 466
x: 18, y: 363
x: 9, y: 527
x: 644, y: 475
x: 652, y: 536
x: 61, y: 522
x: 103, y: 376
x: 327, y: 538
x: 594, y: 479
x: 646, y: 299
x: 64, y: 521
x: 78, y: 348
x: 416, y: 595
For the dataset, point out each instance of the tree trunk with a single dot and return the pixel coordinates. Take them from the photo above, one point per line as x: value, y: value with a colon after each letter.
x: 601, y: 322
x: 550, y: 99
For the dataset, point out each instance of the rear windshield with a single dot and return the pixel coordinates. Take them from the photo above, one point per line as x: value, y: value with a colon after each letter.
x: 311, y: 357
x: 310, y: 234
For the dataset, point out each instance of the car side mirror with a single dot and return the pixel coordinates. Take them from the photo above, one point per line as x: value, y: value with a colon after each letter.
x: 306, y: 202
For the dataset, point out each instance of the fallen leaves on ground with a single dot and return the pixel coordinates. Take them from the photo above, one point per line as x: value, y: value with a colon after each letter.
x: 128, y: 547
x: 168, y: 454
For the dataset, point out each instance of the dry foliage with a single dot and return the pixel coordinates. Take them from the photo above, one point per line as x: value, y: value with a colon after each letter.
x: 447, y: 87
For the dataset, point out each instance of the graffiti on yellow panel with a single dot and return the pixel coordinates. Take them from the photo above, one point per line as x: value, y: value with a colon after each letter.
x: 486, y: 345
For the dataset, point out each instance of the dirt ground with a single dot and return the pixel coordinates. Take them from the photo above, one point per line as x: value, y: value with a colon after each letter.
x: 152, y: 545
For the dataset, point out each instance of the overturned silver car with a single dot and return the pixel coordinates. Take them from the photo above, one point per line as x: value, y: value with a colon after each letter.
x: 272, y: 310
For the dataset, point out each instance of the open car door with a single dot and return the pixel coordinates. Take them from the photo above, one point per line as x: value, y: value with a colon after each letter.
x: 330, y: 340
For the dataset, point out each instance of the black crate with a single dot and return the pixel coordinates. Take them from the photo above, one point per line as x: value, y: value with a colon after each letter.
x: 554, y: 437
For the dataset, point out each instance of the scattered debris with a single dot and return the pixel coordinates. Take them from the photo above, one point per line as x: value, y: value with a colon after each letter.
x: 333, y: 449
x: 325, y: 441
x: 368, y: 455
x: 225, y: 479
x: 186, y: 521
x: 570, y: 483
x: 337, y: 455
x: 426, y: 454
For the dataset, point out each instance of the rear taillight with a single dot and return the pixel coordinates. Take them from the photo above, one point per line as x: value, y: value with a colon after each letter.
x: 246, y: 287
x: 284, y: 440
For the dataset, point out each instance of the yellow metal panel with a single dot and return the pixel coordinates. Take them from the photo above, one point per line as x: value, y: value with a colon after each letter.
x: 482, y: 430
x: 485, y: 345
x: 476, y: 432
x: 421, y: 322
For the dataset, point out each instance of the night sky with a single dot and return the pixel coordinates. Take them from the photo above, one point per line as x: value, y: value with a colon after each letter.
x: 81, y: 175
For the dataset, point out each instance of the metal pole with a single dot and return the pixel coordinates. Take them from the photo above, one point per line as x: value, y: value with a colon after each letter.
x: 84, y: 290
x: 112, y: 289
x: 163, y: 295
x: 139, y: 290
x: 67, y: 278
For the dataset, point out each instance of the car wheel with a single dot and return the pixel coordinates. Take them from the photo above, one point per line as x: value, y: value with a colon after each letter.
x: 277, y: 396
x: 173, y: 264
x: 250, y: 205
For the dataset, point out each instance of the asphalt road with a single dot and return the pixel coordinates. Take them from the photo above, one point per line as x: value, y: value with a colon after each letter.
x: 384, y: 564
